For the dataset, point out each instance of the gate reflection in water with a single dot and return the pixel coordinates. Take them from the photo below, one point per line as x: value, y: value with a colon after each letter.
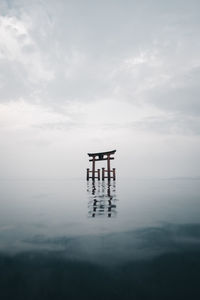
x: 102, y: 199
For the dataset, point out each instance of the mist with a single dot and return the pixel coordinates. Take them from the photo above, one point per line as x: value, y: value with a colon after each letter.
x: 79, y: 77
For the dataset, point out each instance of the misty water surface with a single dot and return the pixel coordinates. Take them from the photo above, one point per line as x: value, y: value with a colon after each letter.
x: 131, y: 239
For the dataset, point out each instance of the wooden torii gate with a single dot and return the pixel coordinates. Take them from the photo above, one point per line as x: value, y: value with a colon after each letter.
x: 98, y: 157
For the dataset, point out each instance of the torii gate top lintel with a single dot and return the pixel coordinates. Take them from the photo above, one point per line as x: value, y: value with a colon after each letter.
x: 101, y: 155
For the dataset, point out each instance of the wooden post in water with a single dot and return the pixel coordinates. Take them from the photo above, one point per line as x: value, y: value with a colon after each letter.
x: 114, y: 177
x: 93, y: 168
x: 108, y: 166
x: 88, y: 176
x: 103, y: 173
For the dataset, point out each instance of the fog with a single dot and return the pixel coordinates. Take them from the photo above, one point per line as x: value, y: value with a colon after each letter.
x: 92, y: 76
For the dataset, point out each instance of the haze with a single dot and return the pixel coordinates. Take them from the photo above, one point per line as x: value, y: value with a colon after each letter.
x: 92, y: 76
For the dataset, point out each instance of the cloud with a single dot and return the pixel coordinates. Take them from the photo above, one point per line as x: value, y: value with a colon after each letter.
x: 181, y: 95
x: 24, y: 116
x: 175, y: 124
x: 24, y: 67
x: 103, y: 73
x: 65, y: 51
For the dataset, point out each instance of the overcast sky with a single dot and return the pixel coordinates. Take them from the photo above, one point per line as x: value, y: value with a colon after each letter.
x: 89, y: 76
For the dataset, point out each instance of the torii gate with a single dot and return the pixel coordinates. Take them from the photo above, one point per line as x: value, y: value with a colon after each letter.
x: 97, y: 157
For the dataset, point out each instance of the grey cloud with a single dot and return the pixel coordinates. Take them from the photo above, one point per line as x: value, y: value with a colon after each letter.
x: 182, y: 94
x: 68, y: 125
x: 87, y: 51
x: 177, y: 124
x: 173, y: 124
x: 14, y: 83
x: 104, y: 34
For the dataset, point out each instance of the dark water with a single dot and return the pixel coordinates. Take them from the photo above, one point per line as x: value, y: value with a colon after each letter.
x: 69, y: 239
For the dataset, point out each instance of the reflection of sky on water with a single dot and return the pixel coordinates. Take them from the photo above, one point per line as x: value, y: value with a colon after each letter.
x: 118, y: 248
x: 147, y: 248
x: 86, y: 220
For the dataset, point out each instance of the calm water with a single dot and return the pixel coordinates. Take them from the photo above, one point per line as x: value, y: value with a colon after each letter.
x: 72, y: 239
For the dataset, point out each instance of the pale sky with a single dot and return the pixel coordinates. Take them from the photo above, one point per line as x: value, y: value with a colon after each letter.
x: 91, y: 76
